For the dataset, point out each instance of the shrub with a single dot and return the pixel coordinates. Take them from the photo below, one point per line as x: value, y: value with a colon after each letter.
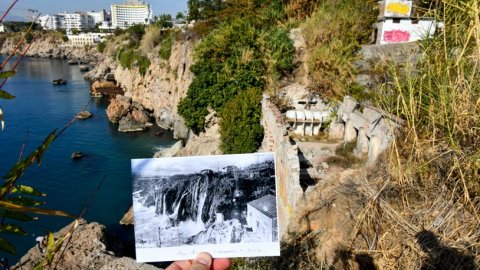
x: 240, y: 128
x: 151, y: 39
x: 334, y: 33
x: 128, y: 57
x: 166, y: 45
x: 278, y: 52
x: 101, y: 47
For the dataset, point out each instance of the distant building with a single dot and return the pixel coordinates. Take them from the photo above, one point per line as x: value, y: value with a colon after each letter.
x: 100, y: 16
x: 130, y: 13
x: 52, y: 22
x: 77, y: 20
x: 86, y: 39
x: 2, y: 28
x: 262, y: 217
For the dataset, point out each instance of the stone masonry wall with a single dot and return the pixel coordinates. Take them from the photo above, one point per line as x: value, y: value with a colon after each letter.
x: 289, y: 191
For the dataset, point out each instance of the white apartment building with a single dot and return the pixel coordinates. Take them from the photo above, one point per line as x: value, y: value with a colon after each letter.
x: 78, y: 20
x: 2, y: 28
x: 99, y: 16
x: 130, y: 13
x: 52, y: 22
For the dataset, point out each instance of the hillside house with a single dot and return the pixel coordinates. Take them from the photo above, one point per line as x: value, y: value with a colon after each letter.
x: 262, y: 218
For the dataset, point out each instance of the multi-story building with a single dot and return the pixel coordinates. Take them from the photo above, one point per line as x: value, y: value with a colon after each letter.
x: 77, y: 20
x: 2, y: 28
x: 52, y: 22
x: 86, y: 39
x: 100, y: 16
x: 130, y: 13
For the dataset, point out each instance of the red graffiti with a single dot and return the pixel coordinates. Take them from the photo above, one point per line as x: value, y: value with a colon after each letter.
x: 396, y: 36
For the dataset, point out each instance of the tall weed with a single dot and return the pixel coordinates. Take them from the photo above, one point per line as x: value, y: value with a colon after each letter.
x: 334, y: 33
x: 440, y: 101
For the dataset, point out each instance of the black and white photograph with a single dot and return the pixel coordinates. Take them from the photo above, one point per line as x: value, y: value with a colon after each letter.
x: 225, y: 205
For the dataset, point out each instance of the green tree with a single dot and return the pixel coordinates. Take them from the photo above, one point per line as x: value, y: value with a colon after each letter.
x: 240, y: 127
x: 180, y: 16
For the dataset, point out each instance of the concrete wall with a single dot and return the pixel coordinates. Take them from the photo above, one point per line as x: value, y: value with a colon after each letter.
x: 373, y: 130
x: 404, y: 30
x: 276, y: 140
x: 395, y: 8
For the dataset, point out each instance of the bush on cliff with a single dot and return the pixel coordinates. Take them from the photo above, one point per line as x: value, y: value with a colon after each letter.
x: 240, y: 128
x: 333, y: 34
x: 242, y: 53
x: 129, y: 58
x: 166, y: 45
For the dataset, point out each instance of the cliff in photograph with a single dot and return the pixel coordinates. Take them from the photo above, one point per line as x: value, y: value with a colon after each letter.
x: 371, y: 108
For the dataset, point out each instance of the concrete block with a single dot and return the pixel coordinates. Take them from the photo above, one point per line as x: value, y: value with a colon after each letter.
x: 350, y: 132
x: 349, y: 104
x: 358, y: 120
x: 362, y: 143
x: 336, y: 131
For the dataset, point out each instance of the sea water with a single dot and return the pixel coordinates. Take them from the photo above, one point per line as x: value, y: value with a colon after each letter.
x: 71, y: 185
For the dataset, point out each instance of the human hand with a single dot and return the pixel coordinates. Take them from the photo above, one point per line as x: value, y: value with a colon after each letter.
x: 203, y: 261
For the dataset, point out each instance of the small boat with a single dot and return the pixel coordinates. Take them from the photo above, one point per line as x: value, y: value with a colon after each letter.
x: 73, y: 62
x: 59, y: 82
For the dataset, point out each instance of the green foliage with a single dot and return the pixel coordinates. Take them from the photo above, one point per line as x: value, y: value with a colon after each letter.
x: 136, y: 32
x: 233, y: 64
x: 75, y: 31
x: 101, y: 47
x: 29, y: 37
x: 166, y: 45
x: 439, y: 100
x: 163, y: 21
x: 129, y: 58
x: 334, y: 33
x: 278, y: 52
x: 240, y: 127
x: 64, y: 38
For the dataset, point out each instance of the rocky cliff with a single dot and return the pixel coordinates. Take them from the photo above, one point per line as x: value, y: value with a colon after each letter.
x: 52, y: 46
x: 162, y: 87
x: 89, y: 247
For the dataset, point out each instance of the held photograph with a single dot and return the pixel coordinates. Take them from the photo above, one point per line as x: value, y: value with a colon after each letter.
x: 225, y: 205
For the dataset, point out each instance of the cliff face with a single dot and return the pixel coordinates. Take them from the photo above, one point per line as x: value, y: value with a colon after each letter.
x: 52, y: 47
x: 164, y: 85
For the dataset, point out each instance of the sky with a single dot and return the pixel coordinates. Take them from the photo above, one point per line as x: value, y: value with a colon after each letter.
x: 185, y: 165
x: 20, y: 11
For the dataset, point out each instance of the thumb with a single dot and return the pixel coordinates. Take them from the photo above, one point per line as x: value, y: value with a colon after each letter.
x: 203, y: 261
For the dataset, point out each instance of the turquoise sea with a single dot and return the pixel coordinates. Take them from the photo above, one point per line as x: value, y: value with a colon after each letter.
x: 38, y: 109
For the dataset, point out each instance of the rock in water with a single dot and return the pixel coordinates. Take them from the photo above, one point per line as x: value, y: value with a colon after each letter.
x: 77, y: 155
x: 84, y: 115
x: 128, y: 124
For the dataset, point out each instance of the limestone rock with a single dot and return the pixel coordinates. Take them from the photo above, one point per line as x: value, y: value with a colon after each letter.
x: 205, y: 143
x: 84, y: 115
x: 140, y: 116
x: 129, y: 124
x: 117, y: 108
x: 90, y: 247
x: 127, y: 219
x: 170, y: 152
x: 126, y: 263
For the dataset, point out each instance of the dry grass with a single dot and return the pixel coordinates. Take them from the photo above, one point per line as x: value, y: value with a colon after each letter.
x: 421, y: 211
x: 150, y: 39
x: 411, y: 227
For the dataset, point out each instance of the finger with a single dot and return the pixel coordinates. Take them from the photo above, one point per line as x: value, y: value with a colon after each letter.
x: 203, y: 261
x: 221, y: 264
x: 180, y: 265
